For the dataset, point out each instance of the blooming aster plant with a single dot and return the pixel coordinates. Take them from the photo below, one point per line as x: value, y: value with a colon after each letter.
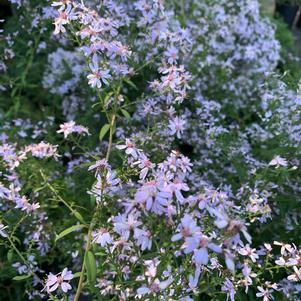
x: 187, y: 152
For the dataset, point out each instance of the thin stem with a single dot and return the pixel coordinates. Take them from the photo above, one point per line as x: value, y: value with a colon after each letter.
x: 94, y: 217
x: 22, y: 257
x: 81, y: 278
x: 89, y: 239
x: 18, y: 252
x: 17, y: 225
x: 111, y: 136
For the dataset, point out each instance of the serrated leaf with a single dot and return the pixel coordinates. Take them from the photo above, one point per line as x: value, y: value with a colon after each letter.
x: 68, y: 231
x: 103, y: 131
x: 90, y: 264
x: 21, y: 277
x: 126, y: 114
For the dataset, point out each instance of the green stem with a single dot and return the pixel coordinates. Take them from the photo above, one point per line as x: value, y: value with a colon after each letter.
x: 89, y: 239
x: 81, y: 278
x: 111, y: 136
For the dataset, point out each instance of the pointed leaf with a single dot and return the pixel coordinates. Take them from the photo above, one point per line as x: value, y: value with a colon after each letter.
x: 90, y: 264
x: 21, y: 277
x: 103, y: 131
x: 126, y: 114
x: 68, y: 231
x: 10, y: 255
x: 79, y: 217
x: 76, y: 275
x: 131, y: 84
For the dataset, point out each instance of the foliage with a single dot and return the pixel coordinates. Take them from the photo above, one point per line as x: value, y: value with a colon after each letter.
x: 148, y: 151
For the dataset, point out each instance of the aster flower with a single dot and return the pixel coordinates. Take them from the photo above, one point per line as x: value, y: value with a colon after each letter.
x: 198, y: 244
x: 248, y: 275
x: 264, y: 293
x: 2, y: 230
x: 42, y: 150
x: 285, y: 248
x: 3, y: 191
x: 24, y: 205
x: 70, y: 127
x: 124, y: 224
x: 224, y: 222
x: 130, y: 148
x: 187, y: 228
x: 102, y: 237
x: 278, y: 161
x: 281, y: 261
x: 144, y: 164
x: 105, y: 185
x: 248, y: 251
x: 65, y: 15
x: 143, y: 239
x: 155, y: 287
x: 61, y: 280
x: 99, y: 165
x: 176, y: 126
x: 296, y: 276
x: 62, y: 3
x: 66, y: 128
x: 153, y: 197
x: 229, y: 288
x: 98, y: 76
x: 172, y: 55
x: 176, y: 187
x: 193, y: 280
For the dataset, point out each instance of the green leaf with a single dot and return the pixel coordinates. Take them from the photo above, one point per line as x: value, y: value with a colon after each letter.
x: 131, y: 84
x: 76, y: 275
x: 92, y: 200
x: 90, y: 264
x: 21, y: 277
x: 10, y: 255
x: 79, y: 217
x: 126, y: 114
x: 68, y: 231
x: 103, y: 131
x: 101, y: 253
x: 107, y: 97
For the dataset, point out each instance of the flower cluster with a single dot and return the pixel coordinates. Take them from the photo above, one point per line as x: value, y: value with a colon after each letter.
x: 182, y: 183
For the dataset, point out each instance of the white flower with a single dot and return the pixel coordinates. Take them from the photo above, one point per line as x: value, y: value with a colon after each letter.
x: 285, y: 248
x: 144, y: 164
x: 265, y: 293
x: 105, y: 185
x: 62, y: 3
x: 278, y: 161
x: 2, y: 231
x: 280, y: 261
x: 65, y: 15
x: 102, y: 237
x: 248, y: 251
x: 59, y: 280
x: 296, y: 276
x: 99, y: 165
x: 70, y: 127
x: 98, y: 76
x: 66, y: 128
x: 130, y: 148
